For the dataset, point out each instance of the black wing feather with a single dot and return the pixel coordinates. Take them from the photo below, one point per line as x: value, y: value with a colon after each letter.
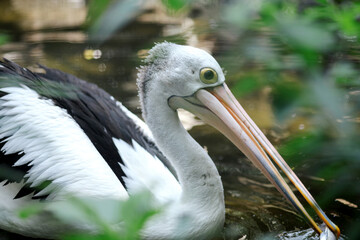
x: 92, y: 108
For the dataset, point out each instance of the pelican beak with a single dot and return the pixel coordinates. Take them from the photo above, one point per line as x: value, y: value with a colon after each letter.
x: 218, y: 107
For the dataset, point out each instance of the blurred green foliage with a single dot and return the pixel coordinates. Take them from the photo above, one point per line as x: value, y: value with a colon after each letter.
x: 4, y: 38
x: 175, y: 5
x: 306, y: 51
x: 96, y: 8
x: 112, y: 219
x: 105, y: 17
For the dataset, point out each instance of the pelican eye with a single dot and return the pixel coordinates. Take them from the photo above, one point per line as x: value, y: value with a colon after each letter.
x: 208, y: 75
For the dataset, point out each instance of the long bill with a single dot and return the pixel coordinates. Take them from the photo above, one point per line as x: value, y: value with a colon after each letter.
x: 219, y: 108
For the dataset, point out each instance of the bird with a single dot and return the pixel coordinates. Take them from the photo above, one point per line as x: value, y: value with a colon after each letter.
x: 61, y: 136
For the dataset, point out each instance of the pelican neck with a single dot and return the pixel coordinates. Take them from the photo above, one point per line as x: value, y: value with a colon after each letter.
x: 196, y: 171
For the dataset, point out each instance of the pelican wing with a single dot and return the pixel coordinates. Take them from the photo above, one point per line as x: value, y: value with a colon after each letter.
x: 59, y: 134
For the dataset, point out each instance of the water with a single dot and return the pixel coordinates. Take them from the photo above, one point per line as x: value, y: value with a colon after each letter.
x: 253, y: 206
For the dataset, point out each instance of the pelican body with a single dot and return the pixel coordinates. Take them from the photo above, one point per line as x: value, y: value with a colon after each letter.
x: 63, y: 136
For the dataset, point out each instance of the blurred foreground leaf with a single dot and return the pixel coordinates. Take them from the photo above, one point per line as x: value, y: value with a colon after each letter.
x: 345, y: 74
x: 116, y: 16
x: 175, y: 4
x: 109, y: 219
x: 30, y: 210
x: 246, y: 84
x: 299, y: 146
x: 242, y: 13
x: 305, y: 35
x: 4, y: 38
x: 96, y: 9
x: 342, y: 17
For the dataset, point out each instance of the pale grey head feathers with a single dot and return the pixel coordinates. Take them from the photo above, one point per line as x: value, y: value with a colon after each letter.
x: 155, y: 60
x: 159, y: 52
x: 172, y: 69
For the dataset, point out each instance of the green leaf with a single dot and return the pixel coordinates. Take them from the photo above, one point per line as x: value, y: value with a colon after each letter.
x: 135, y: 213
x: 301, y: 34
x: 117, y: 15
x: 285, y: 93
x: 96, y: 9
x: 345, y: 75
x: 246, y: 85
x: 175, y: 4
x: 30, y: 210
x: 4, y: 38
x: 241, y: 13
x: 347, y: 19
x: 323, y: 1
x: 104, y: 214
x: 298, y: 146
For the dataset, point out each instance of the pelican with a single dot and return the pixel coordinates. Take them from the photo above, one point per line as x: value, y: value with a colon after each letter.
x: 71, y: 137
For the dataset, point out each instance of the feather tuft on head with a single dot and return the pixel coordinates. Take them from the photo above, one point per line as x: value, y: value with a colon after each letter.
x: 159, y: 52
x: 153, y: 63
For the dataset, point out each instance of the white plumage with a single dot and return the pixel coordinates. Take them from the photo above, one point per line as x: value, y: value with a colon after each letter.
x: 46, y: 134
x: 145, y: 172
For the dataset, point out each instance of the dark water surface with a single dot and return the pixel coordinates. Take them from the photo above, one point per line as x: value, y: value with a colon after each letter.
x: 253, y: 205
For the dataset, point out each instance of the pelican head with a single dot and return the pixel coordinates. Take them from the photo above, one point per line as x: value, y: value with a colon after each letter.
x: 184, y: 77
x: 175, y: 70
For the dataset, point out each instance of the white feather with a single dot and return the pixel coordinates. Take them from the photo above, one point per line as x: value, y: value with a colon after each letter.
x: 55, y: 146
x: 146, y: 172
